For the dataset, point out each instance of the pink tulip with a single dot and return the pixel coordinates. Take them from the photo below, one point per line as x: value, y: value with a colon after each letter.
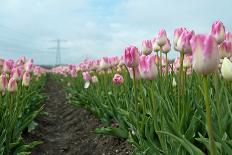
x: 155, y: 46
x: 218, y: 31
x: 161, y: 37
x: 147, y: 67
x: 146, y: 47
x: 187, y: 63
x: 225, y: 49
x: 37, y: 71
x: 28, y: 66
x: 104, y: 63
x: 118, y: 79
x: 26, y: 79
x: 228, y: 36
x: 3, y: 82
x: 8, y: 65
x: 205, y: 54
x: 167, y: 47
x: 94, y: 79
x: 12, y: 85
x: 131, y: 56
x: 86, y: 76
x: 183, y: 43
x: 177, y: 34
x: 73, y: 73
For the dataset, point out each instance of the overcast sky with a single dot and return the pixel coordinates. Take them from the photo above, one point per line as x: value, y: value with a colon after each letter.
x: 96, y: 28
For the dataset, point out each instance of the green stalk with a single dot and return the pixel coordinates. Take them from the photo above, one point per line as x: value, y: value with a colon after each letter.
x: 160, y: 63
x: 218, y: 110
x: 180, y: 82
x: 212, y: 145
x: 135, y: 92
x: 166, y: 75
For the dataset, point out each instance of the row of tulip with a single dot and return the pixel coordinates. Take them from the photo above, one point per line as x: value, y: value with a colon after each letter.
x: 21, y: 83
x: 169, y: 107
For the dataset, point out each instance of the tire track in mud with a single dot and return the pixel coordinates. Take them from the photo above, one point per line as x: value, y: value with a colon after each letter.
x: 69, y: 130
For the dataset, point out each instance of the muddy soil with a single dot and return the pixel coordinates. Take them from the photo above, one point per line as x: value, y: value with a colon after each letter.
x: 69, y: 130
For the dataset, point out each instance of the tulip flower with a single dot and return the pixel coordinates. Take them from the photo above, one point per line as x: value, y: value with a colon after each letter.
x: 167, y: 46
x: 225, y: 49
x: 228, y: 36
x: 104, y: 63
x: 73, y: 73
x: 161, y: 37
x: 86, y: 76
x: 174, y: 84
x: 26, y: 79
x: 177, y: 34
x: 226, y: 69
x: 94, y: 79
x: 155, y: 46
x: 3, y: 82
x: 131, y: 56
x: 118, y: 79
x: 147, y: 67
x: 12, y: 85
x: 218, y: 31
x: 146, y: 47
x: 187, y: 63
x: 8, y: 65
x: 205, y: 54
x: 183, y: 43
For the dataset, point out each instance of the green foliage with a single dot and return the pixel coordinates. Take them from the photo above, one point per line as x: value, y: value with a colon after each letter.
x: 17, y: 112
x: 164, y: 120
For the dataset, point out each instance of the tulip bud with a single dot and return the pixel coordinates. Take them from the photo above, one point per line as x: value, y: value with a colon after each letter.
x: 147, y: 67
x: 155, y: 46
x: 174, y: 84
x: 187, y: 63
x: 94, y: 79
x: 161, y: 37
x: 86, y: 76
x: 183, y: 43
x: 205, y: 54
x: 73, y: 73
x: 8, y: 65
x: 26, y: 79
x: 228, y: 36
x: 131, y: 56
x: 12, y: 85
x: 3, y: 82
x: 218, y: 31
x: 167, y: 47
x: 118, y: 79
x: 104, y: 63
x: 226, y: 69
x: 146, y: 47
x: 225, y: 49
x: 177, y: 34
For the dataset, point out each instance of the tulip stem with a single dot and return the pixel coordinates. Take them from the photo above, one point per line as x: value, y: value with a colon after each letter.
x: 166, y: 54
x: 135, y: 92
x: 180, y: 82
x: 212, y: 145
x: 160, y: 59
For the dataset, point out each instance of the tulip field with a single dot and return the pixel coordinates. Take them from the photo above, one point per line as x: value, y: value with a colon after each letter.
x: 159, y: 105
x: 20, y: 102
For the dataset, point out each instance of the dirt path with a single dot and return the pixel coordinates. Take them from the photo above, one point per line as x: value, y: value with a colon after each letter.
x: 68, y: 130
